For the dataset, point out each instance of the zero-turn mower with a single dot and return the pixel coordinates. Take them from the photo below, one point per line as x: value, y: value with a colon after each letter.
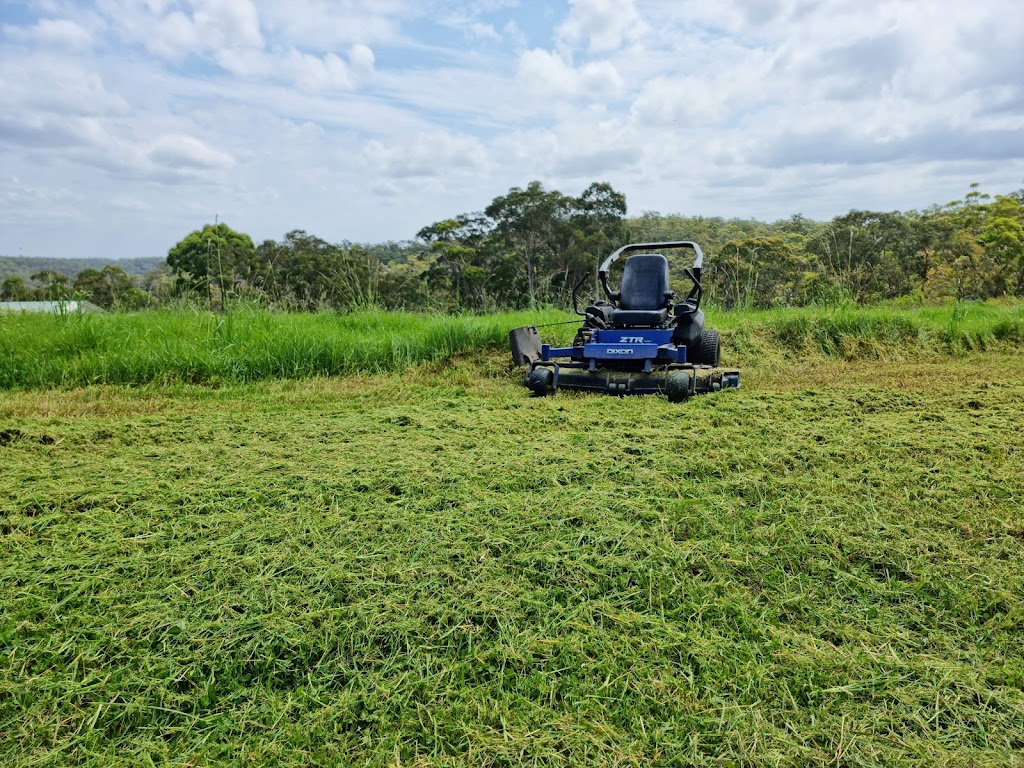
x: 638, y: 342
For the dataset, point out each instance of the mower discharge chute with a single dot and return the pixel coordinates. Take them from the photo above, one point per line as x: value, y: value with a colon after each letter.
x: 638, y: 342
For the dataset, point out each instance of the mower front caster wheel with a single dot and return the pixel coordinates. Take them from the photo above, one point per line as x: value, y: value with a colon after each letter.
x: 678, y: 386
x: 539, y: 381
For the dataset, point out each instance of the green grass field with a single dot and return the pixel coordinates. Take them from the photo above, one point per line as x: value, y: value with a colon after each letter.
x: 426, y: 567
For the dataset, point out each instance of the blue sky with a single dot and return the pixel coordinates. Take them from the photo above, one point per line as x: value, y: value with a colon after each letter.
x: 126, y: 124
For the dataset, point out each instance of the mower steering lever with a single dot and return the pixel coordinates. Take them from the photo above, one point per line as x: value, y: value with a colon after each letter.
x: 575, y: 291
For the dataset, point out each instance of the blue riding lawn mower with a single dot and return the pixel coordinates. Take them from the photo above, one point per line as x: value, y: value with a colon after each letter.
x: 631, y: 344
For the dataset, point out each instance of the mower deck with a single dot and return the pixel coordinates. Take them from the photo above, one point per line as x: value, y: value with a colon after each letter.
x: 639, y: 368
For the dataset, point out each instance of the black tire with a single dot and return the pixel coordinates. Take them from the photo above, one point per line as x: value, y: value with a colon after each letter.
x: 709, y: 351
x: 677, y: 386
x: 539, y: 381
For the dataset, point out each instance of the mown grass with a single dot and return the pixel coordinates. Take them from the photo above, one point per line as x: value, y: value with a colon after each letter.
x: 432, y: 568
x: 251, y: 345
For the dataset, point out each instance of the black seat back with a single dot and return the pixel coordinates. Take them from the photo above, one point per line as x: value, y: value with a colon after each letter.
x: 644, y: 282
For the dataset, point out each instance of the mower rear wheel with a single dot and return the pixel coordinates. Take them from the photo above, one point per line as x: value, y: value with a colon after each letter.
x: 539, y: 381
x: 709, y: 352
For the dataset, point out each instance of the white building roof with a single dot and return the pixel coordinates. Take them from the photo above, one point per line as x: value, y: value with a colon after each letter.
x: 48, y: 306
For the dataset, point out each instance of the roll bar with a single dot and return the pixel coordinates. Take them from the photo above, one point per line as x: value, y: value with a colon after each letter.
x: 694, y: 272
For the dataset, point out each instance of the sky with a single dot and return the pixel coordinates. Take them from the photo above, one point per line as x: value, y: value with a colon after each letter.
x: 127, y: 124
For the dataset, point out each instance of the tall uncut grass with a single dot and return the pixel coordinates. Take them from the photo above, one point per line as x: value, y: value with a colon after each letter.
x: 854, y: 332
x: 249, y: 345
x: 244, y: 345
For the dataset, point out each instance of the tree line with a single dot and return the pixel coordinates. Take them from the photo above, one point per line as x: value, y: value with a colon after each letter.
x: 528, y: 246
x: 110, y: 287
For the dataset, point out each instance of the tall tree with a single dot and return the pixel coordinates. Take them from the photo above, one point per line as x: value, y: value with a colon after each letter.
x: 53, y: 285
x: 870, y: 253
x: 14, y: 289
x: 310, y: 273
x: 526, y: 221
x: 455, y: 247
x: 759, y: 272
x: 598, y: 217
x: 975, y: 247
x: 597, y: 221
x: 110, y: 288
x: 215, y: 255
x: 1002, y: 237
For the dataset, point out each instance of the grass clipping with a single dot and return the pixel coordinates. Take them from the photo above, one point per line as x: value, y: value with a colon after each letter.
x: 434, y: 569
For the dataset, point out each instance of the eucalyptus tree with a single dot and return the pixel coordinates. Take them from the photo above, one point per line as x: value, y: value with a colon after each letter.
x: 110, y: 288
x: 215, y: 255
x: 14, y: 289
x: 53, y: 286
x: 527, y: 222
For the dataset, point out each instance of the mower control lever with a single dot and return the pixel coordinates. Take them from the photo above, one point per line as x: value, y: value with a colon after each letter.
x: 596, y: 321
x: 575, y: 291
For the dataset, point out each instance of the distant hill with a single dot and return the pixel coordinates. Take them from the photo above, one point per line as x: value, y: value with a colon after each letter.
x: 26, y: 266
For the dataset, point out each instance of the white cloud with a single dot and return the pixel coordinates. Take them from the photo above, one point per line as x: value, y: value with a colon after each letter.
x: 177, y: 29
x: 307, y: 71
x: 435, y: 154
x: 324, y: 25
x: 362, y: 59
x: 702, y: 98
x: 42, y: 84
x: 132, y: 204
x: 604, y: 24
x: 548, y: 74
x: 682, y: 100
x: 481, y: 31
x: 316, y: 73
x: 56, y: 113
x: 175, y: 35
x: 187, y: 152
x: 52, y: 32
x: 233, y: 22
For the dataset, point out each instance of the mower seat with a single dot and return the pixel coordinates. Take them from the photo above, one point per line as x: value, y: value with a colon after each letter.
x: 644, y: 296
